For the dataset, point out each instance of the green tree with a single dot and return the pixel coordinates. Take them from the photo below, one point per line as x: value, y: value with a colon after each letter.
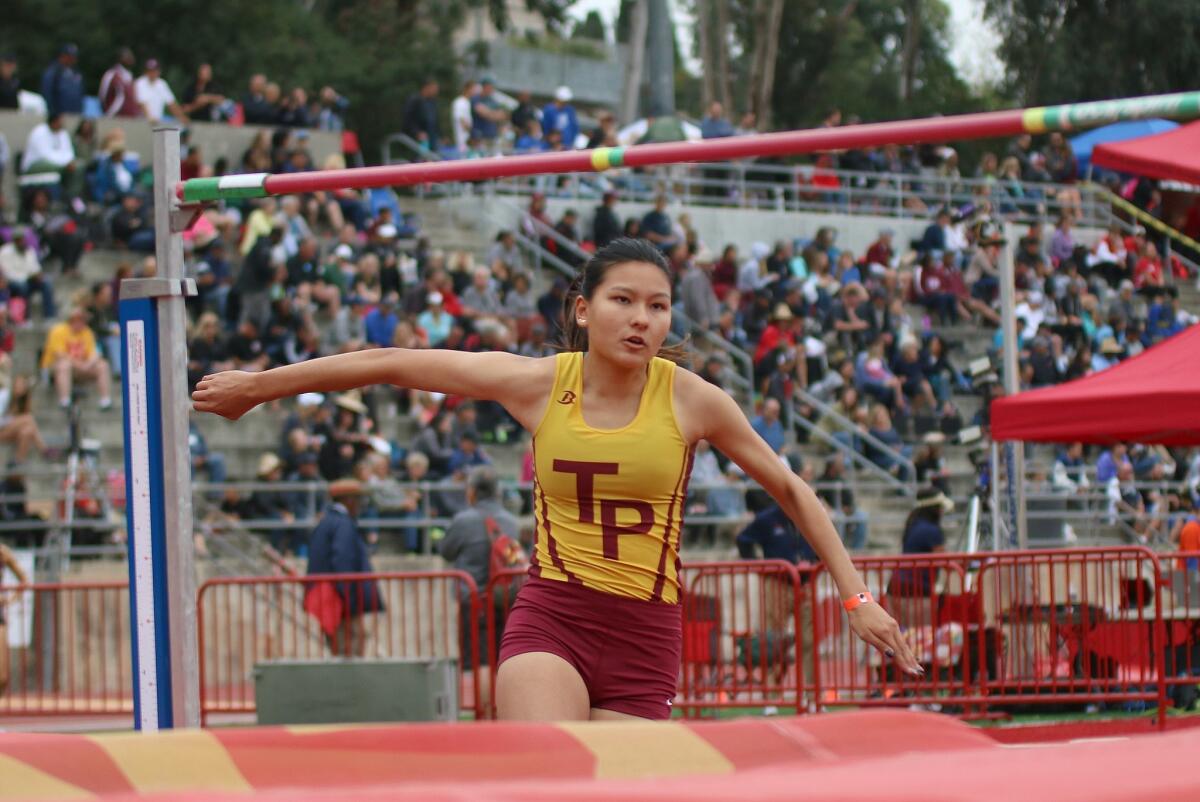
x: 1059, y: 51
x: 852, y: 55
x: 590, y: 27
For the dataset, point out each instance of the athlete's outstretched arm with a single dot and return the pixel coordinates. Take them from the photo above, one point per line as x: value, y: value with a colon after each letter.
x: 495, y: 376
x: 728, y: 430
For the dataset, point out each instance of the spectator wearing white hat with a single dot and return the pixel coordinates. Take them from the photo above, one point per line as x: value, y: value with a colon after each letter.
x: 435, y: 320
x: 560, y: 116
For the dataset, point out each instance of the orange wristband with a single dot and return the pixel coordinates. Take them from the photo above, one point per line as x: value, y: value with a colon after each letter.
x: 854, y: 601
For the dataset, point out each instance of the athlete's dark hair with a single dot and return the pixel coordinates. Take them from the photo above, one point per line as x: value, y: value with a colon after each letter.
x: 620, y: 251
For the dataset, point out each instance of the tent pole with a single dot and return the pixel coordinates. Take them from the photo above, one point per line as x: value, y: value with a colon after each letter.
x: 1012, y: 379
x: 994, y: 490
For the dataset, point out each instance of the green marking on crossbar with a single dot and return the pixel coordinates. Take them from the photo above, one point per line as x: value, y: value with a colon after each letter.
x: 201, y: 189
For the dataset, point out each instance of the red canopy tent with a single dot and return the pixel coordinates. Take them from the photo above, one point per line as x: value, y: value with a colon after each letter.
x: 1152, y: 398
x: 1170, y: 156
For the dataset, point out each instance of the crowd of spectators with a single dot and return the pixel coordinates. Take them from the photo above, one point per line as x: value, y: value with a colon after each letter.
x: 118, y: 93
x: 868, y: 332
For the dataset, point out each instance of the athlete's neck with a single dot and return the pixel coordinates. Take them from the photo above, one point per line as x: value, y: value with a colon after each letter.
x: 603, y: 379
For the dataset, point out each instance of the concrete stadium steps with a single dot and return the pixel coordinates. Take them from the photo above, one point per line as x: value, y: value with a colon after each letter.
x: 448, y: 228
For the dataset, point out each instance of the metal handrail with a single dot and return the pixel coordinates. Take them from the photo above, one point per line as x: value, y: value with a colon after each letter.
x: 852, y: 455
x: 973, y: 525
x: 1143, y: 217
x: 848, y: 425
x: 1170, y: 233
x: 422, y: 153
x: 789, y: 188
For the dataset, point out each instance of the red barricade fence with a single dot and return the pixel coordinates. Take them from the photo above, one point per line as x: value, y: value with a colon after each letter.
x: 925, y: 594
x: 1074, y: 626
x: 67, y: 651
x: 244, y: 621
x: 996, y: 632
x: 1000, y: 632
x: 745, y: 633
x: 1180, y: 586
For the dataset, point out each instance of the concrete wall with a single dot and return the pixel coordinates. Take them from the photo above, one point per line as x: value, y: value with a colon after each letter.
x: 719, y: 226
x: 214, y: 140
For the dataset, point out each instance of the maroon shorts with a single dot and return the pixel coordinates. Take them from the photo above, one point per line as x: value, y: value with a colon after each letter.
x: 626, y: 650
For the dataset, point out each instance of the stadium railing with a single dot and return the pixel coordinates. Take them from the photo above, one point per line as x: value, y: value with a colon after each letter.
x: 1006, y: 631
x: 744, y: 637
x: 68, y: 650
x: 997, y: 632
x: 1180, y: 647
x: 799, y: 188
x: 243, y: 621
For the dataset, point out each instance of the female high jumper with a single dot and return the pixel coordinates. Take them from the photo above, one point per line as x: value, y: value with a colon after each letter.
x: 596, y: 631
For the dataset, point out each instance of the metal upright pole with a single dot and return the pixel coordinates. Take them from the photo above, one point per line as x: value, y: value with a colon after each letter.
x: 177, y: 462
x: 1012, y: 379
x: 158, y: 464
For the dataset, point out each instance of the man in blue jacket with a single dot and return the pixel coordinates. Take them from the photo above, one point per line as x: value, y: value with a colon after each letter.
x: 337, y: 547
x: 62, y: 85
x: 773, y: 532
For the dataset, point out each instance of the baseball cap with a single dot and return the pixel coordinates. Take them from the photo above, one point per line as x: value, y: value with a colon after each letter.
x: 434, y: 298
x: 152, y: 64
x: 563, y: 94
x: 343, y: 251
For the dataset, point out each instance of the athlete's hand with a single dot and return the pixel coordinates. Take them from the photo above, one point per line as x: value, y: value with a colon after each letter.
x: 229, y: 394
x: 873, y: 624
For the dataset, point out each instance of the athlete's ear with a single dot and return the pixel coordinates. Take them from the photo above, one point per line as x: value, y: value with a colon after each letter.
x: 581, y: 310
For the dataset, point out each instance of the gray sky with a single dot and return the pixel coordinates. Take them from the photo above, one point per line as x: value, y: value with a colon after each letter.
x: 973, y: 50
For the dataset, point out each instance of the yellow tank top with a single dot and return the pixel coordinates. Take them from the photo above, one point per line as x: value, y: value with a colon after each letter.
x: 608, y: 503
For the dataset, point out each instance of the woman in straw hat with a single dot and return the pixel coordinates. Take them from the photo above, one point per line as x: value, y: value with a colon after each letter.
x: 596, y: 632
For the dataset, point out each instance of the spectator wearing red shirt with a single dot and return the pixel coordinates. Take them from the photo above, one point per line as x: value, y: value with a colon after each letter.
x: 192, y: 165
x: 1149, y: 269
x: 8, y: 335
x: 937, y: 291
x: 779, y: 332
x: 117, y: 96
x: 881, y: 252
x: 724, y: 275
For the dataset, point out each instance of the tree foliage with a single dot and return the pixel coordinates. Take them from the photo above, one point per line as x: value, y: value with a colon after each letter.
x: 375, y: 52
x: 1060, y: 51
x: 850, y: 55
x: 590, y: 27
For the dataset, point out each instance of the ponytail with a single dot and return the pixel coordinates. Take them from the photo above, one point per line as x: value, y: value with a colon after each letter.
x: 621, y: 250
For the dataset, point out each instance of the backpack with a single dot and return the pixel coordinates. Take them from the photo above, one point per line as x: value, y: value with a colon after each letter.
x: 506, y: 555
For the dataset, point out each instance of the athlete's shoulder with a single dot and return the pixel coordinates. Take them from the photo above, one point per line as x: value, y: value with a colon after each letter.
x: 701, y: 407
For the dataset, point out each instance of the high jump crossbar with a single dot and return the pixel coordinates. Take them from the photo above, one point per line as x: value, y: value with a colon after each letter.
x: 1180, y: 105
